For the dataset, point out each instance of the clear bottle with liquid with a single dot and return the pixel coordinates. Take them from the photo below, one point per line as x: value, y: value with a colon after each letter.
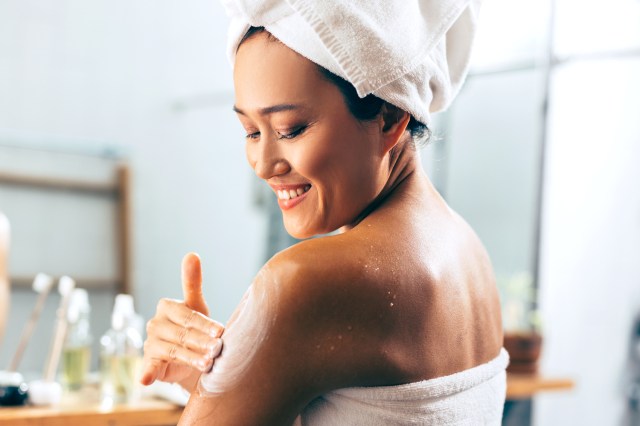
x: 121, y: 354
x: 76, y: 351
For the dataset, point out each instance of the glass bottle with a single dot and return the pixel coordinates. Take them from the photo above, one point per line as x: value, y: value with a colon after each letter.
x: 120, y: 354
x: 76, y: 351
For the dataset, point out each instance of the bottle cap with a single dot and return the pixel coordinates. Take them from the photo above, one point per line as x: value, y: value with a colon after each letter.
x: 78, y: 304
x: 10, y: 378
x: 66, y: 285
x: 42, y: 392
x: 42, y: 282
x: 122, y: 311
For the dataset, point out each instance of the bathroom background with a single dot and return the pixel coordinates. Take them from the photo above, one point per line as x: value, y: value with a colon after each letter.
x: 539, y: 153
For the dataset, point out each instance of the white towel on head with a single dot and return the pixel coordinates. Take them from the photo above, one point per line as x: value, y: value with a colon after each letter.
x: 412, y: 53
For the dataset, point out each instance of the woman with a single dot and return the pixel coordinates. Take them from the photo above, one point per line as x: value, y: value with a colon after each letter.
x: 396, y: 319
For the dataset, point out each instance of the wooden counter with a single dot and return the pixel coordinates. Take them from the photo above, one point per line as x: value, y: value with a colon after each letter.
x: 525, y: 386
x: 72, y: 411
x: 151, y: 412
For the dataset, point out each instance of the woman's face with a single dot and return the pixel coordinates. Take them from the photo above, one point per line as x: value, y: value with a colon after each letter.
x: 323, y: 165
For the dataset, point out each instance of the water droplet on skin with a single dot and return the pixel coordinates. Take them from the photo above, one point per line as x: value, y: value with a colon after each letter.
x: 339, y: 336
x: 317, y: 346
x: 349, y: 328
x: 391, y: 304
x: 394, y: 297
x: 332, y: 347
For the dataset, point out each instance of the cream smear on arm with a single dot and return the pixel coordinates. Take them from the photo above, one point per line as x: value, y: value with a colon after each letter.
x: 248, y: 327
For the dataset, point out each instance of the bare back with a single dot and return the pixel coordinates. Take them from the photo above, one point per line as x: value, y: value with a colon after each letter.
x: 405, y: 295
x: 443, y: 307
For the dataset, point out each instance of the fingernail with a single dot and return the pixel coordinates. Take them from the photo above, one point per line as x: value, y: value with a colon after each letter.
x: 214, y: 349
x: 200, y: 364
x: 208, y: 366
x: 203, y: 364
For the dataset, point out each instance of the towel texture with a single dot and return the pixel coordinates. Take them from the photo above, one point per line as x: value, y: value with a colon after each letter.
x: 412, y: 53
x: 472, y: 397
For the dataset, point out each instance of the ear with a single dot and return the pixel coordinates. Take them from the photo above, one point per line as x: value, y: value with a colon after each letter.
x: 394, y: 123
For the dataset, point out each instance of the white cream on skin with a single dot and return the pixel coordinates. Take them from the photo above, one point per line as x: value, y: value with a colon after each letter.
x: 246, y: 330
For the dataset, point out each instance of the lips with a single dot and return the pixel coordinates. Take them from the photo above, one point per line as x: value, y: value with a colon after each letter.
x: 290, y: 196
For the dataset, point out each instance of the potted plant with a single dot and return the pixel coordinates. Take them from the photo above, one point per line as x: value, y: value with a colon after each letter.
x: 522, y: 326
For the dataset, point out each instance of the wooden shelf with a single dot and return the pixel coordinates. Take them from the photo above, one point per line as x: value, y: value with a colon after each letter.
x: 525, y: 386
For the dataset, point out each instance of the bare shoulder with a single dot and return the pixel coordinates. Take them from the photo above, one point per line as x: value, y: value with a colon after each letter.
x: 334, y: 292
x: 299, y: 332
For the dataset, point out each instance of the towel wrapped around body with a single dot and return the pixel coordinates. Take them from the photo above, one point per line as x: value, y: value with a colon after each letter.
x: 471, y: 397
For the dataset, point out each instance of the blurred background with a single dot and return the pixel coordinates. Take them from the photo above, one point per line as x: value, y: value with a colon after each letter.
x: 119, y: 153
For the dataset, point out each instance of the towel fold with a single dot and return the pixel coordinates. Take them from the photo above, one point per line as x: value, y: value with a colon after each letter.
x: 412, y: 53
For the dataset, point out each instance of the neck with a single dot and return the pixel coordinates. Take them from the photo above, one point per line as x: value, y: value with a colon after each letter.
x: 404, y: 167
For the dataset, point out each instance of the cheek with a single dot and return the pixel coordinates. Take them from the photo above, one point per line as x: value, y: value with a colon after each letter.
x: 314, y: 160
x: 328, y: 152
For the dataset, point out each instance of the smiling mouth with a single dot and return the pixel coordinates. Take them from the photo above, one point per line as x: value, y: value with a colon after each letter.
x: 290, y: 194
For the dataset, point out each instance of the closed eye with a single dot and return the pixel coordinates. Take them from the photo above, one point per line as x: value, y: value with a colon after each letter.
x: 293, y: 134
x: 254, y: 135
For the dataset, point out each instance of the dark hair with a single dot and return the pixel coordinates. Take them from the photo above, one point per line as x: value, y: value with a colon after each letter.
x: 363, y: 109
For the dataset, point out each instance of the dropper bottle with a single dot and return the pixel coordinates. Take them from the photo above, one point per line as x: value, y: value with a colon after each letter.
x: 120, y: 354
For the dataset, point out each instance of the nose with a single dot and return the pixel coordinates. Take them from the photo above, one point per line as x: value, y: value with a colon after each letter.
x: 266, y: 158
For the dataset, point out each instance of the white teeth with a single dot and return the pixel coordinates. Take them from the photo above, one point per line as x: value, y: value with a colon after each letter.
x: 284, y: 194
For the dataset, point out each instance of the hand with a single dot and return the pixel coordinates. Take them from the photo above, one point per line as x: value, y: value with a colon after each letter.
x: 182, y: 341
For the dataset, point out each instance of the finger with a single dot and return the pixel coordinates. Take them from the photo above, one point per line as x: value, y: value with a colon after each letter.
x: 177, y: 313
x: 189, y: 338
x: 170, y: 352
x: 151, y: 370
x: 192, y: 283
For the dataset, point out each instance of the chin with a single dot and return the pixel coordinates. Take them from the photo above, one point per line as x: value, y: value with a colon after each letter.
x: 300, y: 234
x: 300, y: 231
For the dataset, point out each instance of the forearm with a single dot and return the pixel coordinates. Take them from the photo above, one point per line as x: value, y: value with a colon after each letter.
x: 248, y: 405
x: 189, y: 384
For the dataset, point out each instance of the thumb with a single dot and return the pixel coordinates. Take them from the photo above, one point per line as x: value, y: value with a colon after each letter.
x: 192, y: 283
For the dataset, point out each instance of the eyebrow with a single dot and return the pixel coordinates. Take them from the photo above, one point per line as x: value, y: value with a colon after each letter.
x: 271, y: 109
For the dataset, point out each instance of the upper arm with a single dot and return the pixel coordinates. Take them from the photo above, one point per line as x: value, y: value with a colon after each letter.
x: 296, y: 335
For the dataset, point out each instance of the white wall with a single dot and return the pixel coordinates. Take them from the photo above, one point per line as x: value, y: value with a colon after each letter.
x: 590, y: 271
x: 105, y: 75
